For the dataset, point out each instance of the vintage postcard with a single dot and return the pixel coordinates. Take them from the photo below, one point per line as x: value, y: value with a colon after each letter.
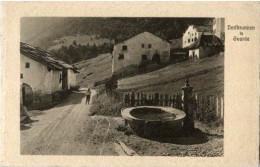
x: 130, y: 84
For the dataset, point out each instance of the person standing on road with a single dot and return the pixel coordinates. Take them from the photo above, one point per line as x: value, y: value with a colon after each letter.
x: 88, y: 94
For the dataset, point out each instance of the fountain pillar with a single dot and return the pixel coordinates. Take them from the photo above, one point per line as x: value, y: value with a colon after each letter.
x: 187, y: 106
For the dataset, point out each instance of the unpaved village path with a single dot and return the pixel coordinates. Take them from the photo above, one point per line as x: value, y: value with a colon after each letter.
x: 67, y: 129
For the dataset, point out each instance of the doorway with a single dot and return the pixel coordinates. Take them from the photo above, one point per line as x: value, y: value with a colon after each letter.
x: 64, y: 79
x: 27, y: 94
x: 156, y: 59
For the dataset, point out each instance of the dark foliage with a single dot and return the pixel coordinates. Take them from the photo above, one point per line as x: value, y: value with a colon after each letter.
x: 75, y: 53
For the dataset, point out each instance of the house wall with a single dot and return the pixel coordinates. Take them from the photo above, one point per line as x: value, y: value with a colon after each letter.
x: 191, y: 35
x: 72, y: 78
x: 37, y: 76
x: 56, y: 83
x: 134, y: 52
x: 196, y: 53
x: 219, y: 28
x: 208, y: 51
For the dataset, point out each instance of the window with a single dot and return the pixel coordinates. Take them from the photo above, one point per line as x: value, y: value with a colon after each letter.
x: 150, y: 46
x: 21, y: 76
x: 188, y: 40
x: 124, y: 47
x: 27, y: 65
x: 121, y: 56
x: 195, y: 33
x: 195, y: 39
x: 142, y: 45
x: 144, y: 57
x: 192, y: 40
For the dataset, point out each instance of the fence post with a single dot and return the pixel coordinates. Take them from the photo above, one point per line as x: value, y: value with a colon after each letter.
x: 142, y: 99
x: 174, y: 101
x: 161, y: 100
x: 127, y: 99
x: 170, y: 101
x: 156, y: 99
x: 166, y: 99
x: 187, y: 107
x: 132, y: 99
x: 222, y: 106
x: 145, y: 99
x: 138, y: 99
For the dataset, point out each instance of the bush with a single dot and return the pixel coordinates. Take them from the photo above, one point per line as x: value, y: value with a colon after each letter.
x: 63, y: 94
x: 105, y: 105
x: 75, y: 88
x: 147, y: 66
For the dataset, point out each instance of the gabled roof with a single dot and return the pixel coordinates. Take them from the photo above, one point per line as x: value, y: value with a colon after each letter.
x: 142, y: 33
x: 44, y: 57
x: 206, y: 40
x: 203, y: 28
x: 176, y: 43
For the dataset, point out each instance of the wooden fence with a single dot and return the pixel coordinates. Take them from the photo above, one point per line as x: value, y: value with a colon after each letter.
x: 202, y: 103
x: 208, y: 103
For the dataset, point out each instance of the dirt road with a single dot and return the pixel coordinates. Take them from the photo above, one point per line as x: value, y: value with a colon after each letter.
x: 67, y: 129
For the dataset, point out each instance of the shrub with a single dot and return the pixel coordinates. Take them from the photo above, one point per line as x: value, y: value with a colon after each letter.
x: 105, y: 105
x: 62, y: 94
x: 75, y: 88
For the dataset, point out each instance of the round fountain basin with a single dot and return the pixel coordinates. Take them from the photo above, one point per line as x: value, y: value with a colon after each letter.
x: 152, y: 120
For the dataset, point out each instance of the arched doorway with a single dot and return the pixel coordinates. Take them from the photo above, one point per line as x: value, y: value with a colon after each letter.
x: 156, y: 58
x: 27, y: 94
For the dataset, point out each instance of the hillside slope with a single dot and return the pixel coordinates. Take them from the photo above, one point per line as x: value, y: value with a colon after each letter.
x: 94, y: 70
x: 205, y: 75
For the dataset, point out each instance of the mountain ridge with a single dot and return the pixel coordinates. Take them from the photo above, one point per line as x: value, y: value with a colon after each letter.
x: 41, y: 31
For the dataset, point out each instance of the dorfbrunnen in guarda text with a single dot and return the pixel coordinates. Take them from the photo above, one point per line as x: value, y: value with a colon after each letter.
x: 241, y: 29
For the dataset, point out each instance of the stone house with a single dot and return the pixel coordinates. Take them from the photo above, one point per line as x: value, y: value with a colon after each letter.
x: 41, y: 75
x: 205, y: 46
x: 141, y: 48
x: 193, y: 33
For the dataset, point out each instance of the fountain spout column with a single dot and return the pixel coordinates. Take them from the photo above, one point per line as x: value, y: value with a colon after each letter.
x: 187, y: 106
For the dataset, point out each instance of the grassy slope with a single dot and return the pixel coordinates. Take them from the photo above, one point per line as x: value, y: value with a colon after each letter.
x: 205, y: 75
x: 94, y: 70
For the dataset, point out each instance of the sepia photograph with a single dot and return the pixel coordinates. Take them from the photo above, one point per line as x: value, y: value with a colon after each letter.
x: 122, y: 86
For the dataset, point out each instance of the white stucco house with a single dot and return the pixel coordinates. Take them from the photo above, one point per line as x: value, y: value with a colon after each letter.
x: 193, y: 33
x: 41, y: 75
x: 205, y: 46
x: 140, y: 48
x: 219, y: 28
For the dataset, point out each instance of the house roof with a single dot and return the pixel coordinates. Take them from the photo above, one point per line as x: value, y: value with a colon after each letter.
x: 176, y: 43
x: 142, y: 33
x: 44, y: 57
x: 203, y: 28
x: 206, y: 40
